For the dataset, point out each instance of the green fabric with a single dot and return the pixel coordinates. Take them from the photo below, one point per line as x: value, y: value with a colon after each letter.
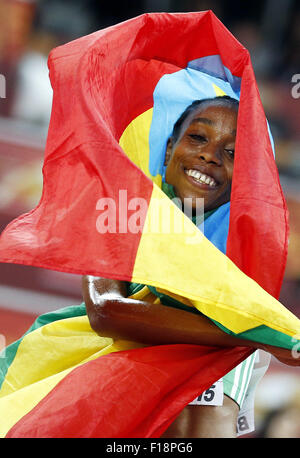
x: 8, y: 354
x: 262, y: 334
x: 168, y: 189
x: 133, y: 288
x: 266, y: 335
x: 171, y: 302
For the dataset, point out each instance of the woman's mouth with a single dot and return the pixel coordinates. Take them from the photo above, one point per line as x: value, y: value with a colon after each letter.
x: 201, y: 178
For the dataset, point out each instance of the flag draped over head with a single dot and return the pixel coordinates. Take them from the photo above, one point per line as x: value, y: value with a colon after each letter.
x: 117, y: 94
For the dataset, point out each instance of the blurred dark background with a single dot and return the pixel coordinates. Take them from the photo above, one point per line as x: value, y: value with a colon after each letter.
x: 29, y: 29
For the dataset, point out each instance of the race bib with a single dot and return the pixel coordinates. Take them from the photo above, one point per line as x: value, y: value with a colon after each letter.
x: 245, y: 422
x: 213, y: 396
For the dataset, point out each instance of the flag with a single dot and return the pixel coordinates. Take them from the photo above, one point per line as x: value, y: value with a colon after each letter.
x: 117, y: 94
x: 91, y: 386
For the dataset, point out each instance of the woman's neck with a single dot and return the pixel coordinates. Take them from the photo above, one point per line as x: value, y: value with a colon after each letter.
x: 197, y: 219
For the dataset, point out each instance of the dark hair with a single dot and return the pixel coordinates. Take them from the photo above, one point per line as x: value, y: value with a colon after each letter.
x: 220, y: 100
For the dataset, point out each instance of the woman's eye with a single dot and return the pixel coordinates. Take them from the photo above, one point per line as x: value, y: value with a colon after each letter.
x: 230, y: 152
x: 198, y: 138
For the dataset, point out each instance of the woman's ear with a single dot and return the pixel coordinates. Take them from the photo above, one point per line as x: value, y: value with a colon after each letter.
x: 168, y: 151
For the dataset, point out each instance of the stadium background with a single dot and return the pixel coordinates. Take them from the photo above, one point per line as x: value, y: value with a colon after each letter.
x: 29, y: 29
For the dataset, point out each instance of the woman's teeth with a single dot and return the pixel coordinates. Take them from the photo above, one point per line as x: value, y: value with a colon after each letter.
x: 201, y: 177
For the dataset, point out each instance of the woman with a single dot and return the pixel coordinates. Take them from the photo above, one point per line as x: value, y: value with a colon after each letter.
x: 103, y: 94
x: 199, y: 165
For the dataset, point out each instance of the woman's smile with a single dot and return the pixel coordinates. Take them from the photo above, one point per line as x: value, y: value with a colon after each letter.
x: 201, y: 179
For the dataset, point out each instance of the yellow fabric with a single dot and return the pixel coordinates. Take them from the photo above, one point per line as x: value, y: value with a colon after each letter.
x: 67, y: 344
x: 220, y: 290
x: 135, y: 143
x: 219, y: 92
x: 145, y: 295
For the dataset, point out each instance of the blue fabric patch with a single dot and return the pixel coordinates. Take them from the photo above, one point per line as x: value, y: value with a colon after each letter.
x: 173, y: 94
x: 213, y: 66
x: 216, y: 227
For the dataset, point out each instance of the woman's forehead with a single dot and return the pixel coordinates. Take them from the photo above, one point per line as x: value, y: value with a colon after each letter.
x: 212, y: 109
x: 209, y: 113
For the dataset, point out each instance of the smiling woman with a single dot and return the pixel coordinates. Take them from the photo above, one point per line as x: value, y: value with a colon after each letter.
x: 192, y: 311
x: 200, y: 152
x: 199, y: 162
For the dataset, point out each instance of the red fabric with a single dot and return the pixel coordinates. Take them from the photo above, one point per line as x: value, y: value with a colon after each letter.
x: 93, y: 400
x: 103, y: 81
x: 258, y: 231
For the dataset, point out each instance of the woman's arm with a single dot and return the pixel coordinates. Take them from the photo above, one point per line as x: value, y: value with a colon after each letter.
x: 112, y: 314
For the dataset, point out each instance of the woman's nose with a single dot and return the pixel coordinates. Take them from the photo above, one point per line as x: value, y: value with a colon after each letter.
x: 211, y: 153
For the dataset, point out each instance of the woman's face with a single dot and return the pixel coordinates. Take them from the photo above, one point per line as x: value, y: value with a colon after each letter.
x: 200, y: 163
